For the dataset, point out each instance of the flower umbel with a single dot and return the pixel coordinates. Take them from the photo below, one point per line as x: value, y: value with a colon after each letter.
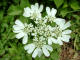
x: 39, y: 47
x: 61, y: 31
x: 34, y: 12
x: 42, y: 32
x: 50, y: 14
x: 22, y: 30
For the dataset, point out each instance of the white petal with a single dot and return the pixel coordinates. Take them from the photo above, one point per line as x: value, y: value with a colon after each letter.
x: 19, y: 23
x: 59, y: 41
x: 41, y: 8
x: 67, y: 25
x: 25, y: 39
x: 32, y: 8
x: 45, y: 51
x: 19, y: 35
x: 17, y: 31
x: 39, y: 52
x: 48, y: 10
x: 54, y: 40
x: 35, y: 53
x: 27, y: 12
x: 16, y: 27
x: 60, y: 22
x: 66, y: 32
x: 36, y: 5
x: 49, y: 41
x: 26, y: 47
x: 29, y: 48
x: 53, y: 12
x: 48, y: 47
x: 65, y: 38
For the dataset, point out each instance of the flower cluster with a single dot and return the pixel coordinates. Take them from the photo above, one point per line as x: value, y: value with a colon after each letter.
x: 41, y: 33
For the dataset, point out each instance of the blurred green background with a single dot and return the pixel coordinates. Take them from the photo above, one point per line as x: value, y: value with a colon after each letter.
x: 10, y: 10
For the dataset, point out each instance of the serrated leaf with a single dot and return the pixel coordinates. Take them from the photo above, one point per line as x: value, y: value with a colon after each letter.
x: 58, y: 3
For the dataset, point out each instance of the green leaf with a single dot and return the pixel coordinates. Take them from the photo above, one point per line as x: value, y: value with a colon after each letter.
x: 14, y: 10
x: 16, y: 1
x: 74, y: 4
x: 24, y: 3
x: 58, y: 3
x: 65, y: 4
x: 1, y: 14
x: 64, y: 12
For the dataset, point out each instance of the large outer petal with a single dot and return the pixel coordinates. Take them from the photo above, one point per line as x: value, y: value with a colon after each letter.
x: 45, y: 51
x: 67, y: 25
x: 41, y: 8
x: 29, y: 48
x: 50, y: 40
x: 32, y: 8
x: 17, y: 27
x: 66, y: 32
x: 59, y: 40
x: 27, y: 12
x: 60, y: 22
x: 35, y: 53
x: 17, y: 31
x: 53, y: 12
x: 48, y: 47
x: 36, y: 6
x: 39, y: 52
x: 19, y: 23
x: 48, y: 10
x: 25, y: 39
x: 65, y: 38
x: 19, y: 35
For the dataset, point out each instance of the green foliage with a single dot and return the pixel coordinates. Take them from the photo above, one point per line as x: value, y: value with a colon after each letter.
x: 76, y: 31
x: 74, y: 4
x: 14, y: 10
x: 12, y: 49
x: 58, y: 3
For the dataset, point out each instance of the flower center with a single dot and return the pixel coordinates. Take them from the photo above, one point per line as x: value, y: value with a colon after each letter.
x: 39, y: 43
x: 47, y: 33
x: 58, y: 32
x: 34, y: 15
x: 50, y: 19
x: 28, y: 28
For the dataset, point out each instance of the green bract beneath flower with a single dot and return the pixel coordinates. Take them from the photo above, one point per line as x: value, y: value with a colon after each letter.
x: 40, y: 31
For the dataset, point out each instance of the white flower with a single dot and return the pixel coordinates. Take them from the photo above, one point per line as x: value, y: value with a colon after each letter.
x: 38, y: 47
x: 61, y: 31
x: 34, y: 12
x: 43, y: 31
x: 22, y: 30
x: 50, y: 14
